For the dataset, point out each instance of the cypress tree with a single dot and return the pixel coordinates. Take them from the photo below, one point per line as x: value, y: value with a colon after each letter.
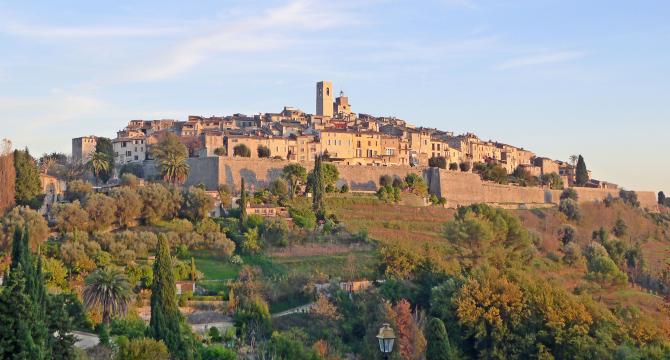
x: 581, y: 175
x: 166, y: 321
x: 661, y: 198
x: 16, y: 308
x: 193, y: 269
x: 318, y: 189
x: 438, y: 347
x: 243, y: 205
x: 28, y: 187
x: 61, y: 344
x: 29, y: 312
x: 20, y: 253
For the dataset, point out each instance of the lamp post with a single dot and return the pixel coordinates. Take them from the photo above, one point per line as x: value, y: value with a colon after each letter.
x: 386, y: 337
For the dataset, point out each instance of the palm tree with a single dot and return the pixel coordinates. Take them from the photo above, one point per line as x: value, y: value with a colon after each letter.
x: 99, y: 163
x: 108, y: 288
x: 171, y: 157
x: 174, y: 168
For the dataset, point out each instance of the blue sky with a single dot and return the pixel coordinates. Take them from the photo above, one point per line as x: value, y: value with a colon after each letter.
x: 559, y: 77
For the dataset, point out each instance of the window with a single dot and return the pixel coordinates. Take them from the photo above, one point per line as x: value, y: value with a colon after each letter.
x: 128, y: 153
x: 136, y: 157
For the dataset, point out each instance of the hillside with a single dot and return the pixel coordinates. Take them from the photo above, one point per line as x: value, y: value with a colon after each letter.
x: 414, y: 227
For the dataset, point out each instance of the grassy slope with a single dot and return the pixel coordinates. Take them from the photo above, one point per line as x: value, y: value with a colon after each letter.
x: 412, y: 227
x: 397, y: 224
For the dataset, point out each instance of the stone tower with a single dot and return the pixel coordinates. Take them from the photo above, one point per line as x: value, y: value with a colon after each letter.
x: 324, y: 98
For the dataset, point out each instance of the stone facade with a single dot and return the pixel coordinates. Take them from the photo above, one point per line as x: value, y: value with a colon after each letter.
x: 324, y: 98
x: 82, y: 147
x: 458, y: 188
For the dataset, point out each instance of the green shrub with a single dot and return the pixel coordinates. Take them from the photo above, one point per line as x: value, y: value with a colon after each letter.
x: 570, y: 209
x: 303, y: 217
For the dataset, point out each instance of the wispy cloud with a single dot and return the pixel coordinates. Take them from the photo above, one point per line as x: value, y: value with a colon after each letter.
x: 70, y: 32
x: 274, y: 29
x: 540, y: 59
x: 52, y: 110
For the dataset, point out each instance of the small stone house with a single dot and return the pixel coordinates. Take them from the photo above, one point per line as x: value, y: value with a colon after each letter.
x: 184, y: 287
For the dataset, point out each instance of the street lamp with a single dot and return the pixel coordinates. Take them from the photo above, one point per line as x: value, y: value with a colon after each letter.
x: 386, y: 337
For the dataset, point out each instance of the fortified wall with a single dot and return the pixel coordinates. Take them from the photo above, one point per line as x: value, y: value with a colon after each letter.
x: 214, y: 171
x: 457, y: 187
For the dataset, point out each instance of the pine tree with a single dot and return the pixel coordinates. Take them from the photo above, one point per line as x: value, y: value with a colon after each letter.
x: 581, y: 175
x: 438, y: 341
x: 318, y: 189
x: 243, y: 205
x: 166, y: 322
x: 661, y: 198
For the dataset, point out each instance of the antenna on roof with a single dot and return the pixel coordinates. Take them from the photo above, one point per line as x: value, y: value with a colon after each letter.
x: 341, y: 93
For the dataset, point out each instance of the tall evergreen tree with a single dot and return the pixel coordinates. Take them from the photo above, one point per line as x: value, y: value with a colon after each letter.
x: 661, y: 198
x: 61, y: 344
x: 243, y: 204
x: 27, y: 184
x: 16, y: 312
x: 581, y: 175
x: 166, y: 322
x: 32, y: 286
x: 438, y: 342
x: 318, y: 189
x: 20, y: 254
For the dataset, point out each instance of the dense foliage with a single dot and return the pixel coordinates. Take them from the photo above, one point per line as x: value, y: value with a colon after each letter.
x: 7, y: 176
x: 28, y: 188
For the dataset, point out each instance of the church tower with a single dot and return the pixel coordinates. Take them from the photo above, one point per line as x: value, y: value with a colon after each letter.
x: 324, y: 98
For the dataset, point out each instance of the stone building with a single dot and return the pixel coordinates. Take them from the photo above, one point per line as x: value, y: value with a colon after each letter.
x: 546, y: 165
x: 324, y: 99
x: 82, y: 148
x: 130, y: 147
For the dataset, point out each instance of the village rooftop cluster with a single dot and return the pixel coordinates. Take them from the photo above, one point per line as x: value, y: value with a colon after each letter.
x: 334, y: 130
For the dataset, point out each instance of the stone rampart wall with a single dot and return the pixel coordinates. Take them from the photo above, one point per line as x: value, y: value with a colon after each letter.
x: 213, y: 171
x: 457, y: 187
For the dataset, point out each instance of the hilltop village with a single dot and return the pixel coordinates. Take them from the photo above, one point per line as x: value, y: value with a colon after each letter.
x: 343, y: 136
x: 313, y: 236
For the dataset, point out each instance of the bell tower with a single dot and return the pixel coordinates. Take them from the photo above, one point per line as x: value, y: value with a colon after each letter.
x: 324, y: 98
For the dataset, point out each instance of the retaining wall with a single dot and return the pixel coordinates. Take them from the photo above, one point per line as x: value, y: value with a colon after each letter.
x: 457, y: 187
